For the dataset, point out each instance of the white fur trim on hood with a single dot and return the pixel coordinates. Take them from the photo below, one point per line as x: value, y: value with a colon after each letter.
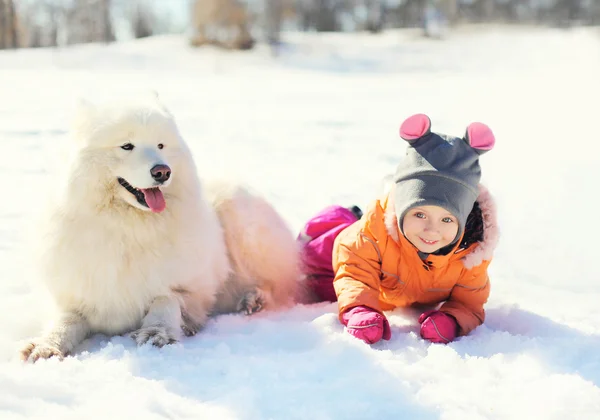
x: 484, y: 249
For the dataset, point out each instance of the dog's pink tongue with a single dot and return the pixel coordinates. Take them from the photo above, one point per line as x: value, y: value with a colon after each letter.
x: 154, y: 199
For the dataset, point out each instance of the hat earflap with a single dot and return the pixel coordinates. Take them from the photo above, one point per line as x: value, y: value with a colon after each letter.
x: 480, y: 137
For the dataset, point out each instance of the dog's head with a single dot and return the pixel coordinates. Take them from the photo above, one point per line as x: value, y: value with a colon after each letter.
x: 133, y: 147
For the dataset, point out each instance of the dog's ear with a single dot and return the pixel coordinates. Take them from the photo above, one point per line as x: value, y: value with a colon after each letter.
x: 153, y: 97
x: 157, y: 101
x: 84, y: 109
x: 82, y: 115
x: 150, y: 95
x: 84, y: 106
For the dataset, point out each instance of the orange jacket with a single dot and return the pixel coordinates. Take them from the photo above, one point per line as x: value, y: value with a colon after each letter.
x: 376, y: 266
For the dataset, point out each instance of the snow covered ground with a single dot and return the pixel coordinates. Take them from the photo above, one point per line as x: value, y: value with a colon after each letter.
x: 317, y: 126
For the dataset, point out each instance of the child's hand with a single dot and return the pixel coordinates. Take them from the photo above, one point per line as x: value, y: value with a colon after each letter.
x: 438, y: 327
x: 366, y: 324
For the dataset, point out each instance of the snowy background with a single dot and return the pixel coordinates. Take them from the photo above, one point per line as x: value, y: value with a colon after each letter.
x: 317, y: 126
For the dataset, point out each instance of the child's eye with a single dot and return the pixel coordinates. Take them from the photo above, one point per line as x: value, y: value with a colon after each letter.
x: 420, y: 215
x: 448, y: 220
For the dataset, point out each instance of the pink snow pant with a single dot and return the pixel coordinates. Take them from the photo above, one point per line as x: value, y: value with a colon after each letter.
x: 317, y: 239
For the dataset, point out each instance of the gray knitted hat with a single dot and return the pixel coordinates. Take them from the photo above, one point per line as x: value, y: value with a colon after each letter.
x: 440, y: 170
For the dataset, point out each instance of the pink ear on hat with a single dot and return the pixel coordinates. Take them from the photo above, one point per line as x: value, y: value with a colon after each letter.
x: 480, y: 136
x: 415, y: 127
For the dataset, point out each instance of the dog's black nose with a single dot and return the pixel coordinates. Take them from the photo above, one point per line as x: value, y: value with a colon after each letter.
x: 160, y: 173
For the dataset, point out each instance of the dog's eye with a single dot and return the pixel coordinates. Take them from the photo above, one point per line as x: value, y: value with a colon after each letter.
x: 160, y: 145
x: 127, y: 146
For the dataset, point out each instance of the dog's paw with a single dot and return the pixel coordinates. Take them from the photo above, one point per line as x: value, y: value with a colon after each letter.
x: 189, y: 330
x: 189, y: 326
x: 251, y: 302
x: 156, y: 335
x: 40, y: 350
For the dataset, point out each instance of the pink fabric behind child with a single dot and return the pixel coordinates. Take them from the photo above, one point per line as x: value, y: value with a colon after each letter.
x: 317, y: 239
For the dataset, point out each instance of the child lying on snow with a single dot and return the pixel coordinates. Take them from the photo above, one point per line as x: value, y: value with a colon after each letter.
x: 428, y: 240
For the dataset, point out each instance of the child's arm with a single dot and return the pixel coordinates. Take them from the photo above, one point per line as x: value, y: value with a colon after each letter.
x: 468, y: 297
x: 357, y: 267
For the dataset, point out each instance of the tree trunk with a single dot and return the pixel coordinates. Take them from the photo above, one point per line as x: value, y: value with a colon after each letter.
x: 107, y: 33
x: 375, y: 13
x: 12, y: 24
x: 141, y: 21
x: 273, y: 21
x: 3, y: 25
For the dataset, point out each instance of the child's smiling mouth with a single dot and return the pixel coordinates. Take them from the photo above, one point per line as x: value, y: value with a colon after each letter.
x: 428, y: 242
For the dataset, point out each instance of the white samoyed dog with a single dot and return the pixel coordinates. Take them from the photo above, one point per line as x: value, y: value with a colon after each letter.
x: 137, y: 244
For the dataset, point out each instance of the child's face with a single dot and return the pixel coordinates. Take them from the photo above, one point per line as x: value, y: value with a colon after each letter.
x: 429, y: 228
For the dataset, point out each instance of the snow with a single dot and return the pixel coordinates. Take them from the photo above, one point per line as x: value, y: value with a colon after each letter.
x: 315, y: 126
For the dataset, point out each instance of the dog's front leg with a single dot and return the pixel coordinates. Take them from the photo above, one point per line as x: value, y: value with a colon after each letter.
x: 68, y: 331
x: 161, y: 325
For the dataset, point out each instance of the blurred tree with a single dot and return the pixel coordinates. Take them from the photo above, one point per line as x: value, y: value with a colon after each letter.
x: 41, y: 23
x: 375, y: 14
x: 231, y: 23
x: 8, y: 25
x: 568, y: 11
x: 224, y: 23
x: 327, y: 13
x: 56, y: 14
x: 89, y: 21
x: 413, y: 12
x: 450, y: 10
x: 273, y: 20
x: 486, y: 9
x: 141, y: 18
x: 306, y: 14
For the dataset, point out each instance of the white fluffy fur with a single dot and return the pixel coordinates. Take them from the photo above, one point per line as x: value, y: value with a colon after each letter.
x: 491, y: 234
x: 114, y: 267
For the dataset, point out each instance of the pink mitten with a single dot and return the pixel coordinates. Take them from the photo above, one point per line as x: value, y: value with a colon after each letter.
x: 366, y: 324
x: 438, y: 327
